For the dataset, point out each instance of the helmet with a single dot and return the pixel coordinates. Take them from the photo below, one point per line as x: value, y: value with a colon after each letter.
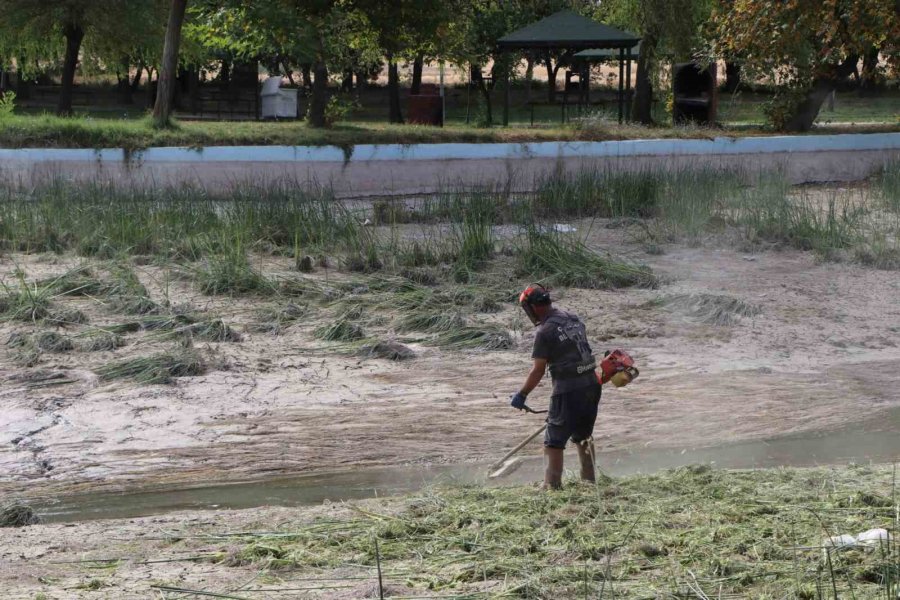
x: 534, y: 295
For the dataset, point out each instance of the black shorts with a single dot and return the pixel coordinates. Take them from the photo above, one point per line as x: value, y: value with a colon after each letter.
x: 572, y: 416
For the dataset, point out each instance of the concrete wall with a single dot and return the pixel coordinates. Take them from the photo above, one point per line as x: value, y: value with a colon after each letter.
x: 368, y: 170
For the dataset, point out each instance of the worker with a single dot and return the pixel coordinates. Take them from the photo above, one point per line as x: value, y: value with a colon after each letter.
x: 560, y: 342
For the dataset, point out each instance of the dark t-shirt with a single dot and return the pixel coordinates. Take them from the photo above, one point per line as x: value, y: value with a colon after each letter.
x: 549, y: 345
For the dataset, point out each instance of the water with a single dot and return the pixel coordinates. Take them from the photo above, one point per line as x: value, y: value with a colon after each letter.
x: 877, y: 442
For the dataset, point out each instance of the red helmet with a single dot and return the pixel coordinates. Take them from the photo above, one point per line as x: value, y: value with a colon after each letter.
x: 534, y: 295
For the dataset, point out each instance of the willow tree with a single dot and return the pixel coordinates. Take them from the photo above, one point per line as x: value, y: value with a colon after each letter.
x: 805, y: 47
x: 40, y: 35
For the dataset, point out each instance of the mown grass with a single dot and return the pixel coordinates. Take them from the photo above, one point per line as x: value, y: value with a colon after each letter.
x: 24, y: 131
x: 692, y: 532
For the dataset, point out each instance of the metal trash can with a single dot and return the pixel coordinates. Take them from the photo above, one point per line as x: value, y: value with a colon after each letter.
x: 275, y: 102
x: 695, y: 94
x: 427, y: 107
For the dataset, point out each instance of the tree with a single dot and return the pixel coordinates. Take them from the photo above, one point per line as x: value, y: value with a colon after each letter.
x: 168, y: 70
x: 472, y: 41
x: 53, y: 32
x: 666, y: 27
x: 405, y: 29
x: 805, y: 47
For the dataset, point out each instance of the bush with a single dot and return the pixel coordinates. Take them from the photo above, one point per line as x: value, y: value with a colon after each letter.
x: 7, y: 105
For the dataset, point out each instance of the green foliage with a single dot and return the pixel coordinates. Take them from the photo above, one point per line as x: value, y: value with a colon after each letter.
x: 7, y: 105
x: 801, y: 45
x: 339, y: 108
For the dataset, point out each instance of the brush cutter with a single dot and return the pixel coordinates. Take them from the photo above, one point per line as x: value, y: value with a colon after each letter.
x: 617, y: 367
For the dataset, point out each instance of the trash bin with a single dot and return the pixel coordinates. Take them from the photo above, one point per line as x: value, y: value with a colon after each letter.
x: 275, y: 102
x: 427, y: 107
x: 695, y: 94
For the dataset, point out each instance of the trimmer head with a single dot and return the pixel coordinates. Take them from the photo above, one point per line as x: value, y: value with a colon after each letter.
x: 508, y: 467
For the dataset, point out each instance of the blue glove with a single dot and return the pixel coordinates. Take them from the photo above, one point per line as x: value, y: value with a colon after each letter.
x: 517, y: 401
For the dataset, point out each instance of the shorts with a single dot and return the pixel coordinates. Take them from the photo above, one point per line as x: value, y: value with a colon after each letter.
x: 572, y: 416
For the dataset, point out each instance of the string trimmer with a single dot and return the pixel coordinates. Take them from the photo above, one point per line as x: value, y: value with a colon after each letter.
x: 617, y: 367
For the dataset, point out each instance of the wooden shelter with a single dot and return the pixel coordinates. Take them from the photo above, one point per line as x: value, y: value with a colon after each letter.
x: 569, y: 31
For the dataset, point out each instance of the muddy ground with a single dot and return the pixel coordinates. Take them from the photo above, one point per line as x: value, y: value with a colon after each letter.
x: 821, y: 352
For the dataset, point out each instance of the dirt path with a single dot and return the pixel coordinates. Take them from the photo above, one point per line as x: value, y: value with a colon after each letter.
x: 822, y: 352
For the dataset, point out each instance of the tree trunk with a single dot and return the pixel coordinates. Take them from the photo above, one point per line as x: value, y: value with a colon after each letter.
x: 529, y: 77
x: 869, y: 77
x: 642, y: 106
x: 123, y: 81
x: 732, y: 76
x: 319, y: 96
x: 361, y: 81
x: 806, y: 112
x: 136, y: 82
x: 394, y: 113
x: 478, y: 78
x: 418, y: 65
x: 347, y: 81
x: 193, y: 89
x: 305, y: 73
x: 73, y: 34
x: 551, y: 79
x: 165, y: 91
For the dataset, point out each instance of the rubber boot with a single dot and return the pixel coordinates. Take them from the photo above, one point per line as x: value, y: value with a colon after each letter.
x: 553, y: 473
x: 586, y: 455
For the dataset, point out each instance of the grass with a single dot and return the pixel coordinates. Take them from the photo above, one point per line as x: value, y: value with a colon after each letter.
x: 559, y: 260
x: 159, y: 368
x: 742, y: 114
x: 692, y: 532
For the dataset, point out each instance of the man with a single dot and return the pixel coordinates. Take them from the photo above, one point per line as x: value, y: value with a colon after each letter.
x: 561, y: 343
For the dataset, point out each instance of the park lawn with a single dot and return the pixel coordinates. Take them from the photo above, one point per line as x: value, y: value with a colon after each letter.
x: 94, y: 131
x: 747, y: 108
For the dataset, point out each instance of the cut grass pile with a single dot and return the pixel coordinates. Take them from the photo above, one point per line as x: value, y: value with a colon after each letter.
x: 162, y: 367
x: 711, y: 309
x: 17, y: 514
x: 388, y: 350
x: 100, y: 341
x: 342, y: 329
x: 275, y: 320
x: 45, y: 341
x: 691, y: 532
x: 480, y: 337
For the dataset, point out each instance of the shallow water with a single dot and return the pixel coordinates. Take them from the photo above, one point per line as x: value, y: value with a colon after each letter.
x: 877, y: 441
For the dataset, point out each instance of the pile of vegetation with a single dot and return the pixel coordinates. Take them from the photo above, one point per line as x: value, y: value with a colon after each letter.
x: 690, y: 532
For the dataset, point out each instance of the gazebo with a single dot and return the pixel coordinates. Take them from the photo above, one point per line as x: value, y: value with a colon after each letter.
x: 567, y: 30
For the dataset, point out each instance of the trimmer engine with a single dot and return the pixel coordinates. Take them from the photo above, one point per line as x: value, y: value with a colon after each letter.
x: 617, y: 367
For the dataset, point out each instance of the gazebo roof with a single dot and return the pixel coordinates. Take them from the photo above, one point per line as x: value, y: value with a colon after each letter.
x: 567, y: 29
x: 606, y: 53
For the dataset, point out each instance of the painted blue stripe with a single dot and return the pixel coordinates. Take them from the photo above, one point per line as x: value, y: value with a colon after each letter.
x: 388, y: 152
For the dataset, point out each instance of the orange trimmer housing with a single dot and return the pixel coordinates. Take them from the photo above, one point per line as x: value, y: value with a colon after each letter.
x: 617, y: 367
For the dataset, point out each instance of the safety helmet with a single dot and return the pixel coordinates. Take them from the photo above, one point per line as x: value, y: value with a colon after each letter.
x: 534, y: 295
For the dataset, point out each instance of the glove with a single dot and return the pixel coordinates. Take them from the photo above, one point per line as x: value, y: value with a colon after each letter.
x: 517, y: 401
